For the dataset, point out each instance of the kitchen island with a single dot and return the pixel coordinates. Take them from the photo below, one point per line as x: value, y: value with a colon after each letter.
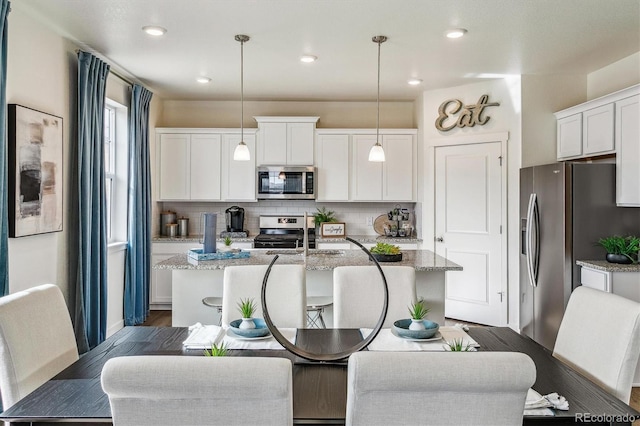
x: 194, y: 280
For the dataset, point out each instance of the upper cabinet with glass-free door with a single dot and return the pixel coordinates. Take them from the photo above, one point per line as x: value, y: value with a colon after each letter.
x: 189, y: 166
x: 285, y: 140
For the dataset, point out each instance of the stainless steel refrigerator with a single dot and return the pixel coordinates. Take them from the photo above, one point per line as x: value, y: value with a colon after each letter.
x: 565, y: 208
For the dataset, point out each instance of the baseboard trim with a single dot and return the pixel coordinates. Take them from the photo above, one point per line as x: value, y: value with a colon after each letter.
x: 115, y: 327
x: 160, y: 307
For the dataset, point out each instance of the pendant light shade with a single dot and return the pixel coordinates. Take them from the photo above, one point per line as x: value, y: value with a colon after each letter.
x: 377, y: 153
x: 241, y: 153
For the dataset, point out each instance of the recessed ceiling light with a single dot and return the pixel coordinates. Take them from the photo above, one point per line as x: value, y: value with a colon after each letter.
x: 154, y: 31
x: 308, y: 58
x: 203, y: 80
x: 456, y: 33
x: 414, y: 81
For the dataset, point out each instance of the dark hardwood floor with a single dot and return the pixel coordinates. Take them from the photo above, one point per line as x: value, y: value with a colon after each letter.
x: 163, y: 319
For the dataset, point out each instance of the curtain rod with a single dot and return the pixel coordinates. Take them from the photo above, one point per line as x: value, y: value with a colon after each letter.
x: 115, y: 74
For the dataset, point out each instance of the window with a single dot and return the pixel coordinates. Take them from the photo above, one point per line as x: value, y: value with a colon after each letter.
x: 109, y: 163
x: 115, y: 170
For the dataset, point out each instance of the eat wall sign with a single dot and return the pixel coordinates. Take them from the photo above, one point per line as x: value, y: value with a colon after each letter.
x: 453, y: 113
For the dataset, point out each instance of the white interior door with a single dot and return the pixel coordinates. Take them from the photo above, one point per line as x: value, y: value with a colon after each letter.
x: 469, y: 215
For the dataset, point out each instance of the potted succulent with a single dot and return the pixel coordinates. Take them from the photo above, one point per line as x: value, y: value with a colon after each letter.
x: 457, y: 345
x: 227, y: 245
x: 418, y: 311
x: 384, y: 252
x: 621, y: 249
x: 247, y: 307
x: 216, y: 350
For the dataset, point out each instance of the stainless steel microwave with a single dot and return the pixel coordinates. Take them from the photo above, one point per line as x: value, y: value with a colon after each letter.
x: 286, y: 182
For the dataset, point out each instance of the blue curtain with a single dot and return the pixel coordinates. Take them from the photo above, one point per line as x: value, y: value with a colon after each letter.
x: 91, y: 279
x: 4, y: 184
x: 138, y: 265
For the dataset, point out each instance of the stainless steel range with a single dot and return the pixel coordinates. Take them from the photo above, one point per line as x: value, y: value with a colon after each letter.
x: 284, y: 232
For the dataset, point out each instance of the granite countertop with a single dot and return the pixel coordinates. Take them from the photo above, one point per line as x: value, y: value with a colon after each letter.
x: 360, y: 238
x: 370, y: 239
x: 421, y: 260
x: 603, y: 265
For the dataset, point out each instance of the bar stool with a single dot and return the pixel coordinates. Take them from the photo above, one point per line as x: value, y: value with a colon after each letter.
x: 315, y: 307
x: 214, y: 302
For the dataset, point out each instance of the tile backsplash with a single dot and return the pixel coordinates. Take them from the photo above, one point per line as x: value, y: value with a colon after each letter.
x: 354, y: 215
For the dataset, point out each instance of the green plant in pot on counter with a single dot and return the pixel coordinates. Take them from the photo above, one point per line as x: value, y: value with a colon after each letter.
x: 621, y: 249
x: 247, y: 307
x: 324, y: 215
x: 385, y: 252
x: 385, y: 248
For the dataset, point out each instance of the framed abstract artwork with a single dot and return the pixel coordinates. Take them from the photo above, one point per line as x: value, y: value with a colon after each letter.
x: 35, y: 171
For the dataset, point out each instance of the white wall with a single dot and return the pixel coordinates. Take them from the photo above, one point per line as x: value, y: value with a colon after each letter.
x: 332, y: 114
x: 506, y: 117
x: 40, y: 66
x: 614, y: 77
x: 542, y: 95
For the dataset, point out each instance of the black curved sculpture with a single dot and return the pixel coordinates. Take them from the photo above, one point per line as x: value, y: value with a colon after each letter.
x: 332, y: 356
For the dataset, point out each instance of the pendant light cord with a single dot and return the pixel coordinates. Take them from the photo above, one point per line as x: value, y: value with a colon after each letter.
x: 241, y: 91
x: 378, y: 98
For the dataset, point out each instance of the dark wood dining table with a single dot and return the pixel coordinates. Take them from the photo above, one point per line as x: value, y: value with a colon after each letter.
x: 319, y: 389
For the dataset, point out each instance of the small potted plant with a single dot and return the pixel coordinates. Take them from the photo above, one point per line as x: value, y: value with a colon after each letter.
x: 621, y: 249
x: 457, y: 345
x: 216, y: 350
x: 323, y: 215
x: 384, y: 252
x: 227, y: 245
x: 418, y: 311
x: 247, y: 307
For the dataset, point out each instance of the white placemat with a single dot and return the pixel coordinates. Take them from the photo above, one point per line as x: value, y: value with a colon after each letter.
x: 203, y: 336
x: 536, y: 405
x: 387, y: 341
x: 270, y: 343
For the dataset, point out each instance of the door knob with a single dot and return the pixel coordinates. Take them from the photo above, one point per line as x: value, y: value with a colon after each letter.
x: 440, y: 240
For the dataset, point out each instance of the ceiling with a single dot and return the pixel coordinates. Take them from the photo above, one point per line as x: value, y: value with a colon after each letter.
x: 504, y: 37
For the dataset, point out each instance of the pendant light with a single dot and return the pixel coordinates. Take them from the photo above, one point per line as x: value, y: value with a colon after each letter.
x: 241, y: 152
x: 377, y: 153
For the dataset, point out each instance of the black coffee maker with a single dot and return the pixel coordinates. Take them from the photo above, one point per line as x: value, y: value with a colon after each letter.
x: 235, y: 219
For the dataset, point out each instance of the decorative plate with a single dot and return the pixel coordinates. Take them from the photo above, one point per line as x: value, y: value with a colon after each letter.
x: 401, y: 327
x: 380, y: 222
x: 233, y: 335
x: 261, y: 329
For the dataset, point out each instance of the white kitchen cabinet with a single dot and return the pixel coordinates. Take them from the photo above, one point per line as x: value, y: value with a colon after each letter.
x: 286, y: 140
x: 204, y: 170
x: 591, y: 128
x: 332, y: 167
x: 160, y: 285
x: 570, y: 136
x: 189, y: 167
x: 597, y: 131
x: 366, y: 176
x: 627, y: 135
x: 392, y: 180
x: 238, y: 177
x: 173, y: 162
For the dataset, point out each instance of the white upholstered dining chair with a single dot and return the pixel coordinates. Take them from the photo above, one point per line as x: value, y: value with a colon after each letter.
x: 187, y: 390
x: 358, y: 295
x: 600, y: 336
x: 438, y: 388
x: 36, y: 340
x: 286, y: 293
